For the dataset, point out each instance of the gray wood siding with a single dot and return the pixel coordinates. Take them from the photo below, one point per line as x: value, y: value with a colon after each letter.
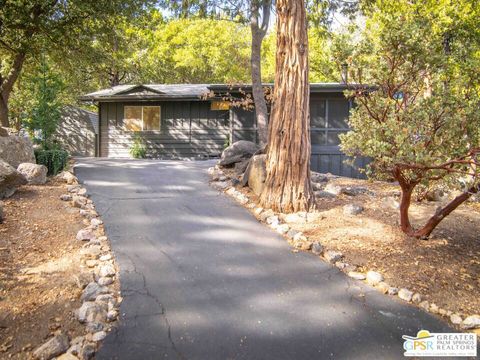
x: 187, y: 129
x: 328, y: 119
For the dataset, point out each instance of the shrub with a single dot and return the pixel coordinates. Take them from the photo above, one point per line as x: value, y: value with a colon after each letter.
x: 55, y: 159
x: 138, y: 149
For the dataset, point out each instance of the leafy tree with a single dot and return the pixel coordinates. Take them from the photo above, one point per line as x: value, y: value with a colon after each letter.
x: 420, y: 122
x: 287, y: 185
x: 27, y: 28
x: 45, y: 113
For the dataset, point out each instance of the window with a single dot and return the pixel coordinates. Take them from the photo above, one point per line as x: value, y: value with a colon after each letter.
x: 220, y: 105
x: 141, y: 118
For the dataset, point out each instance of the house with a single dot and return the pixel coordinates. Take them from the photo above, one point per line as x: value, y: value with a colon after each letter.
x: 77, y: 131
x: 198, y: 120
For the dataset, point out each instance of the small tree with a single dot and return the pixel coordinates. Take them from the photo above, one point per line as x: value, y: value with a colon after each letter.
x: 419, y: 122
x: 45, y: 113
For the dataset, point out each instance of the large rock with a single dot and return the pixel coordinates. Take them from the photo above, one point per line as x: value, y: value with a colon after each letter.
x: 256, y: 173
x: 10, y: 179
x: 237, y: 152
x: 53, y: 347
x: 34, y: 173
x: 16, y: 150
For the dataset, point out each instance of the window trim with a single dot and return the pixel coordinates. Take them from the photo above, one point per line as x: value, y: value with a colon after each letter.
x: 142, y: 107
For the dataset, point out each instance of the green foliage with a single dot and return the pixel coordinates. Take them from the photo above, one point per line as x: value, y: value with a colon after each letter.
x: 423, y: 113
x: 45, y: 112
x: 55, y: 159
x: 138, y: 150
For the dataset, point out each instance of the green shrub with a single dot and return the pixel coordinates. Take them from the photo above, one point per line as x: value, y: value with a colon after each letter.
x: 55, y: 159
x: 138, y: 149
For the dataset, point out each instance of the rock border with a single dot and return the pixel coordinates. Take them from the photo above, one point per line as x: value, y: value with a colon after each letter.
x: 97, y: 278
x: 221, y: 182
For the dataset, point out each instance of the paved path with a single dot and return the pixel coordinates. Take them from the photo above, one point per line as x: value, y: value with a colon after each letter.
x: 202, y: 279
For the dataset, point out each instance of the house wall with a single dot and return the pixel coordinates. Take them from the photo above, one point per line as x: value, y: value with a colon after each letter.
x: 76, y: 131
x: 188, y: 129
x: 328, y: 119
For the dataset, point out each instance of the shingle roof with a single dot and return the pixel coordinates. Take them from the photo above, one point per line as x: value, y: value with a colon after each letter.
x: 183, y: 91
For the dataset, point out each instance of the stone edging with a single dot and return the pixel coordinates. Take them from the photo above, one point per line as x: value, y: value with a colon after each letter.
x: 300, y: 242
x: 97, y: 277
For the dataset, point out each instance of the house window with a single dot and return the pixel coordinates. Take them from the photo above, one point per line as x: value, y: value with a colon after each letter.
x: 141, y: 118
x: 220, y: 105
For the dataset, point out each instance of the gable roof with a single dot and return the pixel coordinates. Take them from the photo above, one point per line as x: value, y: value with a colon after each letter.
x: 186, y: 91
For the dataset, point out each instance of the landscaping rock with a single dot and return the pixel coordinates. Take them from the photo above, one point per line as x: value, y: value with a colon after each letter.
x: 373, y: 278
x: 417, y: 298
x: 85, y: 235
x: 94, y: 327
x: 266, y: 214
x: 92, y: 290
x: 356, y: 275
x: 352, y: 209
x: 220, y: 185
x: 317, y: 248
x: 303, y: 244
x: 238, y: 151
x: 95, y: 222
x: 425, y: 305
x: 99, y: 336
x: 405, y: 294
x: 333, y: 189
x: 324, y: 195
x: 241, y: 166
x: 391, y: 203
x: 435, y: 195
x: 10, y: 179
x: 291, y: 233
x: 257, y: 173
x: 104, y: 281
x: 282, y: 229
x: 434, y: 308
x: 356, y: 190
x: 16, y: 150
x: 106, y: 270
x: 79, y: 201
x: 3, y: 131
x: 106, y: 300
x: 91, y: 312
x: 112, y: 315
x: 66, y: 197
x: 87, y: 352
x: 73, y: 188
x: 471, y: 322
x: 92, y: 252
x: 34, y: 173
x: 392, y: 290
x: 67, y: 356
x: 332, y: 256
x: 105, y: 257
x: 273, y: 220
x: 53, y: 347
x: 68, y: 177
x: 456, y: 319
x: 83, y: 279
x: 383, y: 287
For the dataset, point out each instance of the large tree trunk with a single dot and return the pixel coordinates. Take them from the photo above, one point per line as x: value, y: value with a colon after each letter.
x: 288, y: 186
x: 258, y: 33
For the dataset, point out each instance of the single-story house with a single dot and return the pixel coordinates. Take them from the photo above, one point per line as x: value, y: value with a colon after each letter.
x: 197, y: 120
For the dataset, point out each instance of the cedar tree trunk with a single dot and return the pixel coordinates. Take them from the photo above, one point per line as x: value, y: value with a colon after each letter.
x: 6, y: 86
x: 287, y: 186
x: 258, y: 33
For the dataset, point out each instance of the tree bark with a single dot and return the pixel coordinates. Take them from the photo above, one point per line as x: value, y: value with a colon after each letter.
x: 258, y: 33
x: 425, y: 231
x: 6, y: 86
x: 287, y: 185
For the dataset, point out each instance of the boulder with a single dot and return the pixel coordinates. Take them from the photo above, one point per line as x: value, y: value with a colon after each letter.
x: 241, y: 166
x: 34, y: 173
x: 53, y: 347
x: 91, y: 312
x: 238, y: 152
x: 92, y: 290
x: 16, y: 150
x: 256, y: 174
x: 10, y: 179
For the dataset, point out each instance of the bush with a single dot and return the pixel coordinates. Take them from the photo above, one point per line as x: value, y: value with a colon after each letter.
x: 138, y: 149
x: 55, y: 160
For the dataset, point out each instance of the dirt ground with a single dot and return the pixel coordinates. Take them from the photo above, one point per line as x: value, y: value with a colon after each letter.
x: 445, y: 269
x: 38, y: 258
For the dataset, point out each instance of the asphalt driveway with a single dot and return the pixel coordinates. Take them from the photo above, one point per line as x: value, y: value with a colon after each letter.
x: 202, y: 279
